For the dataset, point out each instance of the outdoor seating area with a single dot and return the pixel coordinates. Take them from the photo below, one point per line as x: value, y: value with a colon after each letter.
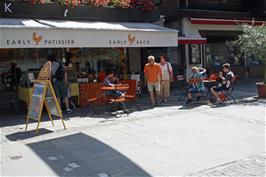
x: 206, y: 96
x: 112, y: 102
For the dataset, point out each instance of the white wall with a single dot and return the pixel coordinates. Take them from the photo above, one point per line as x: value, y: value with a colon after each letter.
x: 192, y: 30
x: 189, y: 66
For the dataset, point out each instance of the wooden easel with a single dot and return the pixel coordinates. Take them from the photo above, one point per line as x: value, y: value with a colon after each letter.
x: 43, y: 94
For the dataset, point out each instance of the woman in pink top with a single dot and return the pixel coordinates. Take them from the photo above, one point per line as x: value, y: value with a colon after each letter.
x: 167, y: 77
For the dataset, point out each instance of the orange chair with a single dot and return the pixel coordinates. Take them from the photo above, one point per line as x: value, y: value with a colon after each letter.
x: 213, y: 77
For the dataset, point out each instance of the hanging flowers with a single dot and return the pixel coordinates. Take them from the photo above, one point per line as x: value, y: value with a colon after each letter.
x: 146, y: 5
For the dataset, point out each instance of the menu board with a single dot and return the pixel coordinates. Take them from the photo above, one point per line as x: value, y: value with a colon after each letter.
x: 50, y: 100
x: 43, y: 92
x: 37, y: 100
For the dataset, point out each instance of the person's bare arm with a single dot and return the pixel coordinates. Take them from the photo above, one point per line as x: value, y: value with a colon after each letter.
x: 202, y: 70
x: 221, y: 76
x: 171, y: 75
x: 66, y: 79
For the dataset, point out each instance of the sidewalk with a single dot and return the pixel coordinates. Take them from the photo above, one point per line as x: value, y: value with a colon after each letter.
x: 165, y: 141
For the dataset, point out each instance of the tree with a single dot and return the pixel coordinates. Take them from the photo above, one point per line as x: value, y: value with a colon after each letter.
x: 253, y: 42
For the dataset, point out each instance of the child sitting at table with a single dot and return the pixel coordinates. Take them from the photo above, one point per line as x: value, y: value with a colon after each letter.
x: 196, y: 83
x: 109, y: 80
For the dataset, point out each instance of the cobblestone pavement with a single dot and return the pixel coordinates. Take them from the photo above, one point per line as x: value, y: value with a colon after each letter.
x: 250, y: 166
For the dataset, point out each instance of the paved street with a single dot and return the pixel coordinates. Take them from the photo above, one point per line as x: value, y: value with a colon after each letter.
x: 170, y: 140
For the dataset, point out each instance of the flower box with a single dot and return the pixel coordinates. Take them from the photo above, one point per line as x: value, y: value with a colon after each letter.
x: 13, y: 9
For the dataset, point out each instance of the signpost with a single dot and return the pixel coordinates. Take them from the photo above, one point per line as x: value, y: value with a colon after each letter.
x: 43, y: 94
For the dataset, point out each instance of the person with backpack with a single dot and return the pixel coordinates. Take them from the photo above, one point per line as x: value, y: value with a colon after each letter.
x: 167, y: 77
x: 59, y: 80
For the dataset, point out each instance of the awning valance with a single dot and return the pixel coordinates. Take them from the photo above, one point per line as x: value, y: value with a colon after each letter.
x: 191, y: 40
x: 213, y: 21
x: 29, y: 33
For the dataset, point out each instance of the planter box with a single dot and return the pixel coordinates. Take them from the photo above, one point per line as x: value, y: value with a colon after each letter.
x: 261, y: 89
x: 11, y: 9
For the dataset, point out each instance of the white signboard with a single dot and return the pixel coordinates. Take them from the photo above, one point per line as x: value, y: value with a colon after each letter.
x: 63, y: 38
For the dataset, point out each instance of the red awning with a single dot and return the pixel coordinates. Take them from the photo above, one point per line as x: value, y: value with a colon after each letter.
x: 191, y: 40
x: 210, y: 21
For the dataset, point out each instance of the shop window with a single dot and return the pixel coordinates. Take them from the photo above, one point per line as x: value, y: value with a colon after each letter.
x: 194, y: 54
x: 156, y: 52
x: 29, y: 61
x: 224, y: 52
x: 252, y: 61
x: 103, y: 60
x: 174, y: 55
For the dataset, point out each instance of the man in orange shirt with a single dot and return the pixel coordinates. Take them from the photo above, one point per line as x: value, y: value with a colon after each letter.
x: 153, y: 77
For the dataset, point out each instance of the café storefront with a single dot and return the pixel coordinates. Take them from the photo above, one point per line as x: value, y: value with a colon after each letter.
x: 98, y: 46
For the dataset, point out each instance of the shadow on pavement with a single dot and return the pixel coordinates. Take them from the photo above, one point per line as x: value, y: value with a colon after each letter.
x: 244, y: 90
x: 28, y: 134
x: 83, y: 155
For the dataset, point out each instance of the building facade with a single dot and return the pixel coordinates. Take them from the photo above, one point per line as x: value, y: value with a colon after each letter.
x: 99, y: 40
x: 207, y: 31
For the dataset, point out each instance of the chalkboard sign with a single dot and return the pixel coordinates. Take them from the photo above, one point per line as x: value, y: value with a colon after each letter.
x: 37, y: 100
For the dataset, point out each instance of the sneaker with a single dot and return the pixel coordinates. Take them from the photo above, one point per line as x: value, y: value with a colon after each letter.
x: 69, y: 111
x: 189, y: 101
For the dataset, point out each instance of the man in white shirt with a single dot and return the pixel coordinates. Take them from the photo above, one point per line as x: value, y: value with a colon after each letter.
x: 167, y: 77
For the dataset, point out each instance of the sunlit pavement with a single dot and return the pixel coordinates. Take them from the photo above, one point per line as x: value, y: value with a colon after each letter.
x: 170, y: 140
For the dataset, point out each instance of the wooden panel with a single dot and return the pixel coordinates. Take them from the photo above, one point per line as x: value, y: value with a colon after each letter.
x: 132, y: 87
x: 168, y: 6
x: 229, y: 5
x: 90, y: 91
x: 256, y: 71
x: 74, y: 89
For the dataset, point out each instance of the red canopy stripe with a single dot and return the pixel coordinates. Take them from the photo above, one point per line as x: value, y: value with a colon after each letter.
x: 206, y: 21
x: 184, y: 40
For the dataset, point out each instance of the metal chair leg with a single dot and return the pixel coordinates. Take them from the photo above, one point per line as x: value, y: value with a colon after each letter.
x: 124, y: 106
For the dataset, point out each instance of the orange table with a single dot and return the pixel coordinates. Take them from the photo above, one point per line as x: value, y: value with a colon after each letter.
x: 119, y: 87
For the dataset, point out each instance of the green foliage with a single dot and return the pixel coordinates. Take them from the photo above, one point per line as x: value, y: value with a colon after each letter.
x: 253, y: 40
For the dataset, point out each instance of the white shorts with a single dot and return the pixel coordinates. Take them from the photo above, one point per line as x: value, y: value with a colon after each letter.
x: 155, y: 85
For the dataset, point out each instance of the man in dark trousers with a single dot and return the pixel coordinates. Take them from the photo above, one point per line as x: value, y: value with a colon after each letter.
x: 59, y: 80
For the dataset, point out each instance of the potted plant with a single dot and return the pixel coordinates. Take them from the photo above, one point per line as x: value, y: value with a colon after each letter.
x: 253, y: 42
